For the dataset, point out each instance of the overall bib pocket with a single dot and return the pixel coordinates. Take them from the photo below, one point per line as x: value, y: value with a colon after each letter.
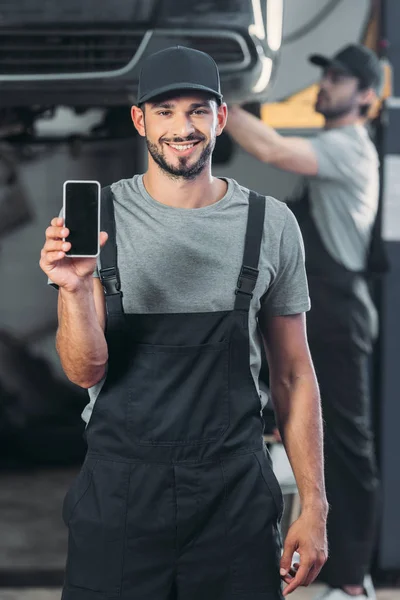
x: 193, y: 406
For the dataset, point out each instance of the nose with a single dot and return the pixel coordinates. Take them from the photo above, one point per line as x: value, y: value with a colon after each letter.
x: 324, y: 84
x: 182, y: 126
x: 326, y: 81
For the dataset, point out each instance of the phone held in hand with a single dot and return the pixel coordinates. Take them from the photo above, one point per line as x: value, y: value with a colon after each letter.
x: 81, y: 210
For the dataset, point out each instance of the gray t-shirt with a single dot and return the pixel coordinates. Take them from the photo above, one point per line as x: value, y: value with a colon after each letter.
x: 344, y: 198
x: 175, y: 260
x: 344, y: 195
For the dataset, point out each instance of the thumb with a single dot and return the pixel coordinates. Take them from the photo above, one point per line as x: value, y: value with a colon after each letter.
x: 286, y: 559
x: 103, y: 238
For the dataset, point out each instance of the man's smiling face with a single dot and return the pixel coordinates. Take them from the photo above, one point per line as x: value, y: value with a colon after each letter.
x: 181, y: 132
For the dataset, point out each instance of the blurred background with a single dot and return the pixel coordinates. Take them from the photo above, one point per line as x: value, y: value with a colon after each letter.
x: 68, y: 76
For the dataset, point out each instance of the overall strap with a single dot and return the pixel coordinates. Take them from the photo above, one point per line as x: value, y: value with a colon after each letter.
x: 249, y: 271
x: 109, y: 274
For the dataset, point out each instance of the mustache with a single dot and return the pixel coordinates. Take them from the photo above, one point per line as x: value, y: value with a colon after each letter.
x: 180, y: 140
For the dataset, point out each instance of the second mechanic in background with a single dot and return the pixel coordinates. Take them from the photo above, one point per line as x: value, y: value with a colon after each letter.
x: 336, y: 209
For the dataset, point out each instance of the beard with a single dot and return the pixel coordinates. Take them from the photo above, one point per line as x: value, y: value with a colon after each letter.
x: 338, y: 111
x: 183, y: 170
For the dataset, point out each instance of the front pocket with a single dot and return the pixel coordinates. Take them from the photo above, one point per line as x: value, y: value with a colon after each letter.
x: 253, y: 547
x: 78, y: 489
x: 271, y: 481
x: 97, y: 531
x: 178, y: 394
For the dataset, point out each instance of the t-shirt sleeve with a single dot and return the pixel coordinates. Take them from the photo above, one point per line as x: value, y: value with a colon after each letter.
x: 288, y: 292
x: 336, y: 155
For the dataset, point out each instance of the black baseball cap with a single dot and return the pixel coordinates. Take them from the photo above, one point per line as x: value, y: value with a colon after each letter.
x: 178, y: 69
x: 355, y: 60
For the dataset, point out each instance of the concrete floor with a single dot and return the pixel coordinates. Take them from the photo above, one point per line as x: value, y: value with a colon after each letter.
x: 39, y: 594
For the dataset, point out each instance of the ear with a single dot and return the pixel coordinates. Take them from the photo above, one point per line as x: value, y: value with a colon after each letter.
x: 368, y: 96
x: 222, y: 115
x: 137, y: 115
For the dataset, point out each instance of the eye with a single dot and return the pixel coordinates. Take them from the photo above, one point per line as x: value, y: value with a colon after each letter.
x: 164, y: 113
x: 200, y: 111
x: 338, y: 78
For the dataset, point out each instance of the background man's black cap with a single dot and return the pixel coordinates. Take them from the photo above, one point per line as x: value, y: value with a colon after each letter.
x: 355, y: 60
x: 181, y: 69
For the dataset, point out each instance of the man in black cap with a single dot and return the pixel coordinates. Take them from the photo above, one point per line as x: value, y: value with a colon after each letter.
x: 336, y: 209
x: 176, y: 497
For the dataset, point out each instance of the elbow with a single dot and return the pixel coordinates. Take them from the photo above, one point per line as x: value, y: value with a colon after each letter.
x: 86, y: 385
x: 274, y: 157
x: 89, y: 381
x: 264, y: 154
x: 85, y: 378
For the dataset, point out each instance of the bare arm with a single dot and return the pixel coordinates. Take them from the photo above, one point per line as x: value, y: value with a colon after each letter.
x: 80, y: 340
x: 296, y: 400
x: 293, y: 154
x: 81, y: 343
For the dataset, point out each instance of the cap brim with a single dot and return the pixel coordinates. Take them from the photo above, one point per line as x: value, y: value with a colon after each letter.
x: 179, y: 87
x: 325, y: 63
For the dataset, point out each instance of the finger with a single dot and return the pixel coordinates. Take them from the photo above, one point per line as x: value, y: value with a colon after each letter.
x: 293, y: 570
x: 291, y: 574
x: 103, y: 238
x: 286, y: 558
x: 57, y: 222
x: 311, y: 575
x: 56, y: 233
x: 319, y: 563
x: 49, y: 258
x: 299, y: 579
x: 56, y: 245
x: 288, y: 578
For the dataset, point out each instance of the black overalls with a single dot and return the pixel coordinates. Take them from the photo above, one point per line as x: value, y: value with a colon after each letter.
x: 340, y: 338
x: 176, y: 499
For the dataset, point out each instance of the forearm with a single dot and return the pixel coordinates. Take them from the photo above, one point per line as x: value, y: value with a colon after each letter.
x: 293, y: 154
x: 298, y: 412
x: 253, y: 135
x: 80, y: 341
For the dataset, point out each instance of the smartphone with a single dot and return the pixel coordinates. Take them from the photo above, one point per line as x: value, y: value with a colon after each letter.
x: 81, y: 210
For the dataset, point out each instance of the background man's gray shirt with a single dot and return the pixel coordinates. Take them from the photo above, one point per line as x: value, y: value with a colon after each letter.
x: 174, y: 260
x: 344, y: 198
x: 344, y: 195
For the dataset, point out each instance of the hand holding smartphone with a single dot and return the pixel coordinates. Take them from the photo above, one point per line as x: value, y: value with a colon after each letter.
x: 81, y: 210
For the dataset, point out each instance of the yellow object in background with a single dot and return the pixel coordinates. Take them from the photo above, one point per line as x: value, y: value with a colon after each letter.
x: 297, y: 112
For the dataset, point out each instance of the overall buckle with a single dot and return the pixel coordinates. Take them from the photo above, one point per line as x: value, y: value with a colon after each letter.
x: 247, y: 281
x: 110, y: 281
